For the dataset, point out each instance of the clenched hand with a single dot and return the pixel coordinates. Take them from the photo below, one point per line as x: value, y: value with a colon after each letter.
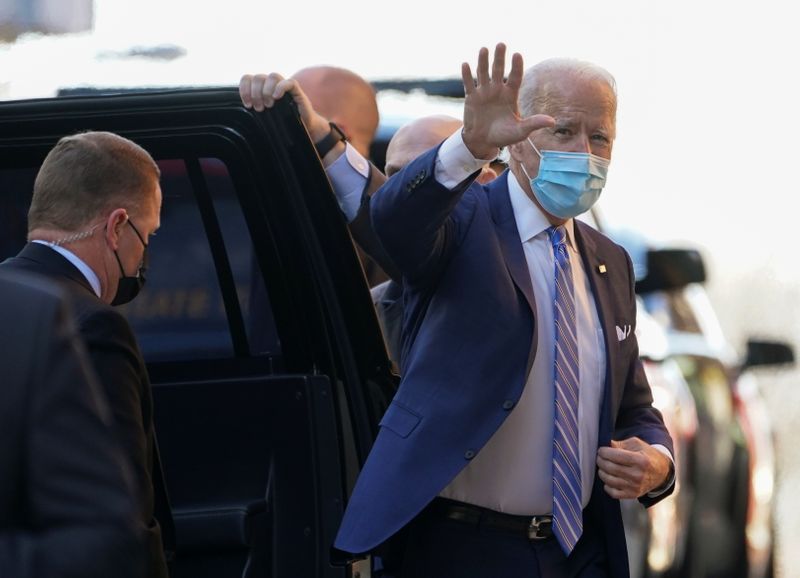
x: 631, y: 468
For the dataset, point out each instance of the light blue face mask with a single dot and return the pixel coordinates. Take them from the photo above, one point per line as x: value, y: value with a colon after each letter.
x: 568, y: 184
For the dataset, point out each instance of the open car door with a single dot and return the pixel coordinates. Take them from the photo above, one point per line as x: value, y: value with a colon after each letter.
x: 268, y: 368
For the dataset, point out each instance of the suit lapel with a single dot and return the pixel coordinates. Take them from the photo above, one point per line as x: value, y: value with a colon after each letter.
x: 508, y: 235
x: 593, y: 263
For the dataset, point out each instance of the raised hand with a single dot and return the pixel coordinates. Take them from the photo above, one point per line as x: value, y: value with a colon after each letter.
x: 631, y: 468
x: 491, y: 112
x: 260, y: 91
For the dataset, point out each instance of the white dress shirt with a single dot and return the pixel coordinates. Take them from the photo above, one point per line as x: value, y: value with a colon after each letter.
x: 513, y: 472
x: 348, y: 175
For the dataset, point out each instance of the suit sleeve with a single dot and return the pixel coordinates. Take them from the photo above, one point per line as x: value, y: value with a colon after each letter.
x: 363, y: 232
x: 114, y: 356
x: 117, y: 361
x: 78, y: 499
x: 637, y: 416
x: 418, y: 221
x: 354, y: 180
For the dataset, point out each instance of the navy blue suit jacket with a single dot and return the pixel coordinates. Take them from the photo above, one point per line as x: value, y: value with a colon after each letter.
x: 469, y: 341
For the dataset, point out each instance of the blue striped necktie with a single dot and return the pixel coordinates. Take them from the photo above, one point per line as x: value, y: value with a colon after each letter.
x: 567, y: 510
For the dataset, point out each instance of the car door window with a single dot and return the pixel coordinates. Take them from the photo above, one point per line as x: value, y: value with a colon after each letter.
x: 181, y: 314
x: 16, y: 185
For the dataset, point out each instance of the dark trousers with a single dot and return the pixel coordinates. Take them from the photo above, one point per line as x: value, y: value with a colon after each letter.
x: 437, y: 547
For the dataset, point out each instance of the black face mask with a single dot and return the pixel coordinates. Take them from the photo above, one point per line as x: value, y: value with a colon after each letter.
x: 129, y: 287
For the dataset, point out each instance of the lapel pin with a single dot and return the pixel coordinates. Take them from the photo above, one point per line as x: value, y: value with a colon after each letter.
x: 601, y: 268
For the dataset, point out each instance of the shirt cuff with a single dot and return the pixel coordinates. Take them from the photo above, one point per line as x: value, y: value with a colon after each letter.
x: 348, y: 175
x: 671, y: 480
x: 454, y: 162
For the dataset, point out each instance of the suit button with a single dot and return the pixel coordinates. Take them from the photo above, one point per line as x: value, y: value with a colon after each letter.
x: 508, y: 404
x: 469, y: 454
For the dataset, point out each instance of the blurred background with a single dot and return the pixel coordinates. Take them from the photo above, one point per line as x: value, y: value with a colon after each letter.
x: 707, y: 125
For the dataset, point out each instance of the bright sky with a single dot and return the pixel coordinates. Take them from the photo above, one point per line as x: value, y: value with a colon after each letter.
x: 708, y: 96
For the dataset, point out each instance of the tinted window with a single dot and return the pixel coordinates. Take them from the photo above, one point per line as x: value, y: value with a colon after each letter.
x: 250, y: 290
x: 181, y: 313
x: 16, y: 186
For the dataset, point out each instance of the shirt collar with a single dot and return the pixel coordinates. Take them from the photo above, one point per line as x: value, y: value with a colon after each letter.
x: 531, y: 220
x: 79, y: 264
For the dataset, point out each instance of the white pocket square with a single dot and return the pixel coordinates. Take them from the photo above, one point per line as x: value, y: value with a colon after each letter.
x: 623, y: 332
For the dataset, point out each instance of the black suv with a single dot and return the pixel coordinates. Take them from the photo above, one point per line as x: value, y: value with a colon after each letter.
x: 268, y: 366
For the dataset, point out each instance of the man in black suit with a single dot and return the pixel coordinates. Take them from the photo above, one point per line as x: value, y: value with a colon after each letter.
x: 96, y: 201
x: 66, y: 497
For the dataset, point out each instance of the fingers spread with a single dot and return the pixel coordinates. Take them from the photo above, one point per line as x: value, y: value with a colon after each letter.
x: 515, y: 75
x: 483, y: 66
x: 466, y: 77
x: 499, y: 64
x: 491, y: 112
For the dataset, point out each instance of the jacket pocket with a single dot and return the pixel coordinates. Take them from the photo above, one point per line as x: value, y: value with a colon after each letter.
x: 400, y: 420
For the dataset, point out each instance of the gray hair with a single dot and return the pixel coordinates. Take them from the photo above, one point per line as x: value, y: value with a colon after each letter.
x: 534, y: 92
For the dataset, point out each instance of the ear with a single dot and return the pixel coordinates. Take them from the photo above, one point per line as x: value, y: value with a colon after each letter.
x: 114, y: 223
x: 487, y: 175
x: 516, y: 150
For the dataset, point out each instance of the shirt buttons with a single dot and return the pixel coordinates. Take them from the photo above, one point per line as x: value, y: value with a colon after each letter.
x: 469, y: 454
